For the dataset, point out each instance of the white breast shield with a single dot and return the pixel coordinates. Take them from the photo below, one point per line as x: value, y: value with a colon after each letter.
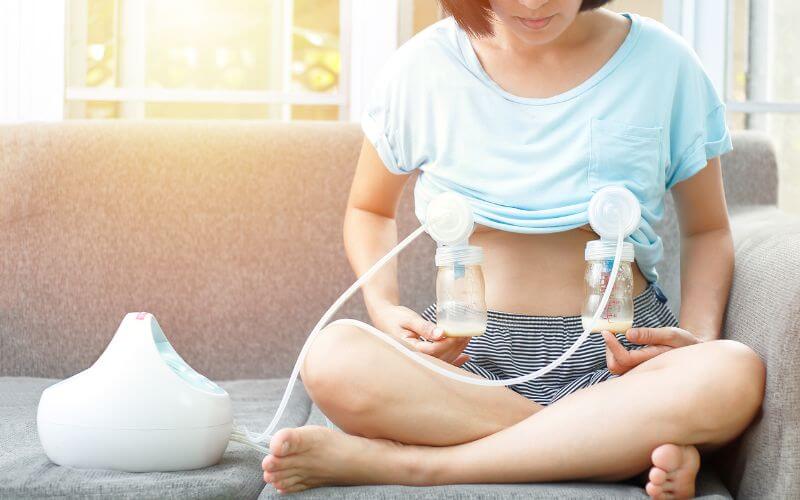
x: 138, y: 408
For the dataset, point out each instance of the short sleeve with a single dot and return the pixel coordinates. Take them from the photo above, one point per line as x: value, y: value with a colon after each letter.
x: 382, y: 119
x: 698, y: 131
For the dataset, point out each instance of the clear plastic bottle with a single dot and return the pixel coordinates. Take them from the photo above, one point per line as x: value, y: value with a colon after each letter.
x: 460, y: 300
x: 618, y: 315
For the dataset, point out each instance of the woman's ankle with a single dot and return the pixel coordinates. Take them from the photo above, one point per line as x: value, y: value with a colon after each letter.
x: 421, y: 465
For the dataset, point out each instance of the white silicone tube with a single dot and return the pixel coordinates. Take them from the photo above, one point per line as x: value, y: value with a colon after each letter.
x: 253, y: 440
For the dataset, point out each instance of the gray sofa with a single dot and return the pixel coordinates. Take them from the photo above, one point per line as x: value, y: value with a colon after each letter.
x: 230, y: 233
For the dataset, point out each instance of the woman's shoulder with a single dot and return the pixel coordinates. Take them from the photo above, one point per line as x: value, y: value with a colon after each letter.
x: 441, y: 36
x: 434, y: 47
x: 662, y: 46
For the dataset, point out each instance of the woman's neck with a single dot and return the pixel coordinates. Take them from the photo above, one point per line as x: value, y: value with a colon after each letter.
x: 544, y: 70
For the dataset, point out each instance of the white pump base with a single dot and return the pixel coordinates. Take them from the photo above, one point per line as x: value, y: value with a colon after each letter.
x: 139, y: 408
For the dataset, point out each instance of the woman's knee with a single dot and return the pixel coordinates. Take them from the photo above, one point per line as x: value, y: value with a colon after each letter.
x: 740, y: 368
x: 728, y: 381
x: 332, y: 372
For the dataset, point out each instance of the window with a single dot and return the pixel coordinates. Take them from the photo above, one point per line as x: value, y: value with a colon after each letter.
x: 276, y: 59
x: 764, y: 84
x: 31, y: 60
x: 648, y: 8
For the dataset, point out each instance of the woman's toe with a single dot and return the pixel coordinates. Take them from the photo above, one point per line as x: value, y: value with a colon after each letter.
x: 653, y: 490
x: 291, y: 441
x: 668, y: 457
x: 275, y: 477
x: 288, y: 482
x: 274, y: 464
x: 294, y: 488
x: 284, y: 442
x: 657, y: 476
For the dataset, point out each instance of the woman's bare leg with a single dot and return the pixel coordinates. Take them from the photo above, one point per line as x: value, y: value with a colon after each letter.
x: 704, y: 394
x: 369, y: 389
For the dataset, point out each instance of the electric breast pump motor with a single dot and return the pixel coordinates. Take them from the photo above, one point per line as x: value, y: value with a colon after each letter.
x: 138, y: 408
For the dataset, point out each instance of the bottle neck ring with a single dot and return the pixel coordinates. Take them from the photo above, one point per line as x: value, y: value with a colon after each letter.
x: 606, y: 249
x: 460, y: 254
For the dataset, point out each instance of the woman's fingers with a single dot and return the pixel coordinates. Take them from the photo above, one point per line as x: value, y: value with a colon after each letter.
x: 461, y: 359
x: 447, y: 349
x: 410, y: 337
x: 669, y: 336
x: 441, y: 347
x: 621, y: 360
x: 428, y: 338
x: 616, y: 355
x: 423, y: 328
x: 639, y: 356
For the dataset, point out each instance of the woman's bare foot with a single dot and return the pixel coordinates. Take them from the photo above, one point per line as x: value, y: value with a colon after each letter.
x: 674, y: 472
x: 311, y: 456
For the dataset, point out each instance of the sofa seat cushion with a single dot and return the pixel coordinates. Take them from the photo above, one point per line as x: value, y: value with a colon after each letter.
x: 709, y: 486
x: 26, y: 472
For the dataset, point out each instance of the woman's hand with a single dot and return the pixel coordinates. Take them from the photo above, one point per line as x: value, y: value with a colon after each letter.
x: 422, y: 335
x: 658, y: 341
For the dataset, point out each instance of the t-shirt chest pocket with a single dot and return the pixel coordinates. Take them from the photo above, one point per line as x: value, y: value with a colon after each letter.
x: 627, y: 155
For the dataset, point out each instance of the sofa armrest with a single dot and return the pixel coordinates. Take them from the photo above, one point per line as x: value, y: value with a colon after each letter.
x: 764, y: 313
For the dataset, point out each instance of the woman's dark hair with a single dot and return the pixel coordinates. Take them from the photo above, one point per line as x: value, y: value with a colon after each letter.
x: 475, y: 16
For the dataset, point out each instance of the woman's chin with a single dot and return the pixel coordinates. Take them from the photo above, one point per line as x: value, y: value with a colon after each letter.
x: 536, y: 36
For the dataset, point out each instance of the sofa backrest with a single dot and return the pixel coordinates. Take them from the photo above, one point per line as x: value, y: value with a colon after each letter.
x: 750, y: 175
x: 229, y: 232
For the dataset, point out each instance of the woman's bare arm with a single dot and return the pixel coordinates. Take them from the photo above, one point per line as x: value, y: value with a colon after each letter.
x: 706, y: 271
x: 370, y: 230
x: 706, y: 251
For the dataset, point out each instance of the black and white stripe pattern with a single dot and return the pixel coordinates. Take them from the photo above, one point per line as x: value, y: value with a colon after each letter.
x: 518, y: 344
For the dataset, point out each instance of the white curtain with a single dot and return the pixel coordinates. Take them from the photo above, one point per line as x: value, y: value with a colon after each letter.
x: 32, y: 48
x: 373, y: 26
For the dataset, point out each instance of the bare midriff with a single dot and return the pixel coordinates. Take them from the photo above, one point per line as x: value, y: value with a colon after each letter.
x: 537, y: 274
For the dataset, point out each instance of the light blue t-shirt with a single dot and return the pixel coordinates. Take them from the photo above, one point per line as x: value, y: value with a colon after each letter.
x: 648, y: 119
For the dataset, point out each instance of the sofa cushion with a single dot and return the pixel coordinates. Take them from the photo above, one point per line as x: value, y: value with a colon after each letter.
x: 25, y: 471
x: 709, y: 486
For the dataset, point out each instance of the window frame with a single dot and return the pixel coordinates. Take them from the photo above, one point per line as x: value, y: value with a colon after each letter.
x: 713, y: 41
x: 134, y: 95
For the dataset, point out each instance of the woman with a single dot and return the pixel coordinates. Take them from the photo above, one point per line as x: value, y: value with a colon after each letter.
x: 527, y: 108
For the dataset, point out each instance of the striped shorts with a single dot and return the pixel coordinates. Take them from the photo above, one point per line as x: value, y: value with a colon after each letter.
x: 518, y: 344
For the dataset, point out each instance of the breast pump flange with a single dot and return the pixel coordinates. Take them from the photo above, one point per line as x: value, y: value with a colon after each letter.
x: 613, y: 213
x: 614, y: 210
